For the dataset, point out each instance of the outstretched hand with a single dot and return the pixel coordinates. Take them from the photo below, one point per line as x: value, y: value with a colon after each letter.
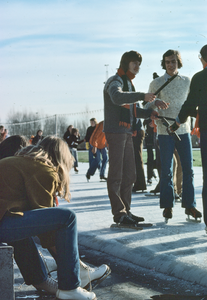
x: 149, y: 97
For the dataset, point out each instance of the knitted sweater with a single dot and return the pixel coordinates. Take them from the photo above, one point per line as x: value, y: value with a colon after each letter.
x: 114, y: 98
x: 174, y: 93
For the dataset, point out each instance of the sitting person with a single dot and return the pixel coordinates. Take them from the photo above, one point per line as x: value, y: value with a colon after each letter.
x: 87, y: 274
x: 30, y: 180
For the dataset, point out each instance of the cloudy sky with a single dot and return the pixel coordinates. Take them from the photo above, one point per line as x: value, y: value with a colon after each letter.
x: 54, y: 52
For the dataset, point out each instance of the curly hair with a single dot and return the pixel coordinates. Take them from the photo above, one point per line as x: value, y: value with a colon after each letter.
x: 127, y: 57
x: 169, y: 53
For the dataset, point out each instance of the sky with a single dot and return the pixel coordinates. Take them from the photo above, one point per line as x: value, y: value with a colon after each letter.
x: 56, y: 55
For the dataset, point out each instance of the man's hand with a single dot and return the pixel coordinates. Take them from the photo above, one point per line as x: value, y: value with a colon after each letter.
x: 149, y: 97
x: 94, y: 150
x: 154, y: 115
x: 174, y: 126
x: 161, y: 104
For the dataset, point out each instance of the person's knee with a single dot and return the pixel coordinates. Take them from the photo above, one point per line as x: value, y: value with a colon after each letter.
x: 67, y: 216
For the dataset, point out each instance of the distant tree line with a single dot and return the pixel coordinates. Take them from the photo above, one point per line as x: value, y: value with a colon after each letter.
x: 28, y: 123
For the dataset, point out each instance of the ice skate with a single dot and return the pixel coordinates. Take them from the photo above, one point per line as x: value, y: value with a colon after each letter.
x: 76, y: 170
x: 50, y: 285
x: 177, y: 198
x: 135, y: 218
x: 103, y: 179
x: 88, y: 177
x: 90, y: 275
x: 167, y: 214
x: 126, y: 222
x: 139, y: 219
x: 152, y: 193
x: 49, y: 262
x: 76, y: 294
x: 149, y: 181
x: 193, y: 212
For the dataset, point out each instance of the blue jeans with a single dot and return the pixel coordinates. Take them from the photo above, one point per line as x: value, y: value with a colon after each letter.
x: 184, y: 148
x: 203, y: 144
x: 74, y: 153
x: 18, y: 231
x: 91, y: 158
x: 97, y: 162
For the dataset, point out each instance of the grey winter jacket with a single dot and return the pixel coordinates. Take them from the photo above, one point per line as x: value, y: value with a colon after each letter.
x: 114, y: 98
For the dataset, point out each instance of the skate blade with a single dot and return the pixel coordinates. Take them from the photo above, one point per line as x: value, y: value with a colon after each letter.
x: 145, y: 224
x: 198, y: 220
x: 166, y: 220
x: 152, y: 194
x: 97, y: 281
x: 126, y: 226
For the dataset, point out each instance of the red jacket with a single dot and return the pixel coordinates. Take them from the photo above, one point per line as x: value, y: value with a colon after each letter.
x: 98, y: 138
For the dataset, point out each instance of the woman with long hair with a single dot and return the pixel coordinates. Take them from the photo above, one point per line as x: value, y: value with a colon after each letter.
x: 29, y: 182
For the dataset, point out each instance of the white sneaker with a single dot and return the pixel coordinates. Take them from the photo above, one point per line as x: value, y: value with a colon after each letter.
x: 89, y: 274
x: 77, y: 294
x: 50, y: 285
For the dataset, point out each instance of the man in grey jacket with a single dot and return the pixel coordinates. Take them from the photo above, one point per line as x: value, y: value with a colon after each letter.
x: 120, y: 113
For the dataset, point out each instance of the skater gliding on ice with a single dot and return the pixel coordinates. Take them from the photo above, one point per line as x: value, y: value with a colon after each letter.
x: 120, y: 114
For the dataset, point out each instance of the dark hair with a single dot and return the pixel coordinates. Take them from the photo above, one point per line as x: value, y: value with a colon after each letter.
x: 69, y: 127
x: 12, y: 144
x: 93, y: 120
x: 40, y: 130
x: 74, y: 130
x: 127, y: 57
x: 169, y: 53
x: 203, y: 52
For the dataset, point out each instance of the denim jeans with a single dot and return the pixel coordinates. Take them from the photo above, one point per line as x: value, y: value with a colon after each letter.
x: 184, y: 148
x: 74, y: 153
x: 18, y: 231
x: 91, y: 158
x: 203, y: 145
x: 99, y: 161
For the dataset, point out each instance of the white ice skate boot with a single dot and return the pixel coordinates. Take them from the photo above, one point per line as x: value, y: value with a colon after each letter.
x: 50, y: 286
x: 89, y: 274
x: 49, y: 262
x: 77, y: 294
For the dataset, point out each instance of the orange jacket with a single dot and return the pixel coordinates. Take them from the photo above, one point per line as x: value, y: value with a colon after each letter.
x: 98, y: 138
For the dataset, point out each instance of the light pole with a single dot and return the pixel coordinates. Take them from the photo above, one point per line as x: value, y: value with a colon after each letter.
x: 106, y: 72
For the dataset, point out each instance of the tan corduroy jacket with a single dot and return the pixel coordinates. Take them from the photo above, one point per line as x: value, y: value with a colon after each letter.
x: 25, y: 184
